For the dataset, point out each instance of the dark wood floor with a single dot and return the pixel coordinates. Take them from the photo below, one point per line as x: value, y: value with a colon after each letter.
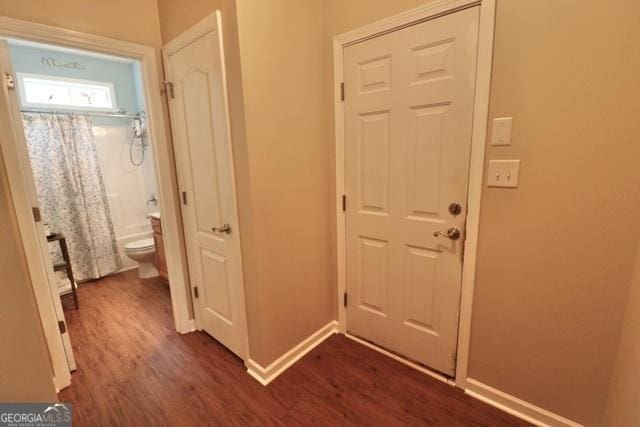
x: 134, y: 369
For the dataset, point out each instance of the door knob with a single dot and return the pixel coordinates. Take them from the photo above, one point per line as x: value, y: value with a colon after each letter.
x: 452, y: 233
x: 225, y: 228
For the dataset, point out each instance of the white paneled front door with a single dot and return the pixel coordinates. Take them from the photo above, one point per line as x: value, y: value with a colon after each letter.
x: 408, y: 117
x: 199, y: 118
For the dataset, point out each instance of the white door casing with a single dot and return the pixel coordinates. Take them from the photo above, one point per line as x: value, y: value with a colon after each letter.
x: 33, y: 235
x: 409, y: 98
x: 200, y: 125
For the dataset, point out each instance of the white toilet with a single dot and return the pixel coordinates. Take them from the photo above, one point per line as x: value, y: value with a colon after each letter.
x: 143, y: 252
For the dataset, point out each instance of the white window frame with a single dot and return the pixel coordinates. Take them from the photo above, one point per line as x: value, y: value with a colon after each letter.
x: 25, y: 104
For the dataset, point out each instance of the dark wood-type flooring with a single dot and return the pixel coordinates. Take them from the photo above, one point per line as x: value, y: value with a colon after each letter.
x: 134, y: 369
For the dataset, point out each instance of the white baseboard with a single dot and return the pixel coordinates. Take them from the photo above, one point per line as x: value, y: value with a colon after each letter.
x: 189, y: 326
x: 271, y: 372
x: 424, y: 370
x: 516, y: 407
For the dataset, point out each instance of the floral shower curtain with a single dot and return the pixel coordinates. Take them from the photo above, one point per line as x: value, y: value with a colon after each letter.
x: 71, y: 191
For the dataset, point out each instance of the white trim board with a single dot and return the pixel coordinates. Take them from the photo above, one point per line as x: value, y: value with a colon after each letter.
x: 516, y: 407
x: 404, y: 19
x: 478, y: 142
x: 169, y: 207
x: 271, y: 372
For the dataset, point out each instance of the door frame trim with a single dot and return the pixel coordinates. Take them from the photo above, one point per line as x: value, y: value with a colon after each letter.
x: 164, y: 166
x: 211, y: 23
x: 478, y: 142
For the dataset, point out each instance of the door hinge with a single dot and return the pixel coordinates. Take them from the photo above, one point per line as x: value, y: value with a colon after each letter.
x: 36, y: 214
x: 342, y: 91
x: 195, y: 292
x: 344, y: 297
x: 9, y: 82
x: 168, y: 88
x: 344, y: 202
x: 184, y: 197
x: 62, y: 326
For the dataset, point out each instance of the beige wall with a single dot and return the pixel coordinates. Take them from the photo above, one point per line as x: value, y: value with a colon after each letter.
x: 177, y: 17
x: 553, y: 273
x: 132, y: 21
x: 284, y: 58
x: 25, y: 369
x: 623, y: 409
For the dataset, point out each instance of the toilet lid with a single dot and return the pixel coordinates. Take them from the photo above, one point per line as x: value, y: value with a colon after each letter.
x: 140, y: 245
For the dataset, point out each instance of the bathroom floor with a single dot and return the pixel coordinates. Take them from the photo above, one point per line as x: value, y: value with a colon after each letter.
x: 134, y: 369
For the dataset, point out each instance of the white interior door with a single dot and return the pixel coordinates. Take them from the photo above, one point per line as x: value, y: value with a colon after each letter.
x: 408, y: 116
x: 25, y: 198
x: 199, y: 117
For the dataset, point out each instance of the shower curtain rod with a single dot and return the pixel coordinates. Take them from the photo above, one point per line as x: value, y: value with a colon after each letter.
x: 96, y: 114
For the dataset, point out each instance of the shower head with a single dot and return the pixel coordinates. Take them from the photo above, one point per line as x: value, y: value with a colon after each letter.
x: 138, y: 127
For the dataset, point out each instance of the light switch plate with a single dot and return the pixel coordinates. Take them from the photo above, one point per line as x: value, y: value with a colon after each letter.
x: 501, y: 132
x: 503, y: 173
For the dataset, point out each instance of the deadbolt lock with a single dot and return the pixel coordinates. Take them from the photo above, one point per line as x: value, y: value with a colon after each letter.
x: 455, y: 208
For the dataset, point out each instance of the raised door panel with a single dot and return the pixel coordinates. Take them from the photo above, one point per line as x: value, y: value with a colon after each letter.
x: 424, y: 162
x: 215, y: 291
x: 421, y: 277
x: 373, y: 163
x: 374, y: 74
x: 374, y: 278
x: 432, y: 61
x: 202, y: 157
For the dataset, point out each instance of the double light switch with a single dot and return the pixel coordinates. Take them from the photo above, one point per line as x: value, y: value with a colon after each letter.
x: 503, y: 173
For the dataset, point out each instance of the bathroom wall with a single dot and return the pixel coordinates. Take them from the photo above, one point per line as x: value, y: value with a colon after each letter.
x: 148, y: 167
x: 128, y: 186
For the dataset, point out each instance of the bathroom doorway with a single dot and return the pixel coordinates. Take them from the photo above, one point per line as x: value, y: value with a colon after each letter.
x: 90, y: 172
x: 92, y: 161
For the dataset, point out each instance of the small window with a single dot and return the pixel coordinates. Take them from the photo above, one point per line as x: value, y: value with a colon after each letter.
x: 38, y: 91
